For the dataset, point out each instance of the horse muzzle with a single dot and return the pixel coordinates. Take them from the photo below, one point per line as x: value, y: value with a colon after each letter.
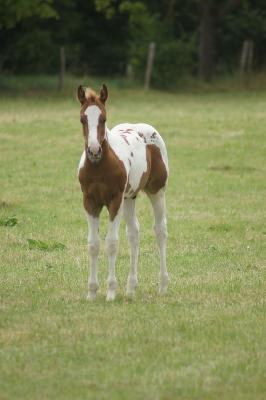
x: 94, y: 154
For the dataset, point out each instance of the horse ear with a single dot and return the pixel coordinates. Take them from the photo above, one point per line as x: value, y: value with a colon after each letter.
x: 103, y: 94
x: 81, y: 94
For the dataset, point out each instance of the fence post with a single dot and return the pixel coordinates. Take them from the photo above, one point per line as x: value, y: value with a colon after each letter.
x: 62, y: 68
x: 246, y: 59
x: 250, y: 56
x: 149, y: 66
x: 129, y: 72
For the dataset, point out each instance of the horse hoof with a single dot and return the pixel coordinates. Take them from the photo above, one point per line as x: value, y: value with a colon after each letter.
x: 163, y: 290
x: 164, y: 281
x: 130, y: 294
x: 91, y: 296
x: 110, y: 295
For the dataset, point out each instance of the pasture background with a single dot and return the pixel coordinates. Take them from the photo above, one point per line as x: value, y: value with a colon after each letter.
x: 206, y: 338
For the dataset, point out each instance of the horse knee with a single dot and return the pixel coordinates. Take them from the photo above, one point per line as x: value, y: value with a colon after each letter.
x: 94, y: 247
x: 111, y: 245
x: 161, y: 230
x: 133, y: 232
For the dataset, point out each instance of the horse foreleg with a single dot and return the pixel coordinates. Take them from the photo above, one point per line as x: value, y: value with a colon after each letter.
x: 111, y: 245
x: 93, y: 247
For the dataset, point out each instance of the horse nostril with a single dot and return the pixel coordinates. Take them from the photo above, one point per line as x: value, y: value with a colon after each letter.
x: 91, y: 152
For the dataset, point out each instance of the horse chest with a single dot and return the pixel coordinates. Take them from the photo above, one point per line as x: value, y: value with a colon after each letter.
x: 99, y: 192
x: 102, y: 184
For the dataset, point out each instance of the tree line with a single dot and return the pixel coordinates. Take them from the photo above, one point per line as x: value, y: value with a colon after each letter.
x: 200, y: 38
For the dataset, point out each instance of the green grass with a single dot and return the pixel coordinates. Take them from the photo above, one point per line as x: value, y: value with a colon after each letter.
x: 206, y: 338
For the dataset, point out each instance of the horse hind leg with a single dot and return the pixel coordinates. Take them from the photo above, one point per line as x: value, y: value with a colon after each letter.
x: 132, y: 229
x: 160, y: 228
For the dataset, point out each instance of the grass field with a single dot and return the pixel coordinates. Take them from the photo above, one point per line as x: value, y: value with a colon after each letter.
x: 206, y: 339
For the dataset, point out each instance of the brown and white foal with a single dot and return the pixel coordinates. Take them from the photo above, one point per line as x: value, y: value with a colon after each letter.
x: 115, y: 165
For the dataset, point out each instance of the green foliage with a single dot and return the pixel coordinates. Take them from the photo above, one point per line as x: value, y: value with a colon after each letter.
x: 106, y: 6
x: 174, y: 58
x: 41, y: 53
x: 13, y: 11
x: 173, y: 61
x: 40, y: 245
x: 248, y: 22
x: 222, y: 228
x: 143, y: 28
x: 9, y: 221
x: 105, y: 37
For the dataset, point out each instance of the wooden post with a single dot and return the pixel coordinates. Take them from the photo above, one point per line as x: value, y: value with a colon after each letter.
x: 129, y: 72
x: 62, y: 68
x: 250, y: 56
x: 150, y: 60
x: 246, y: 59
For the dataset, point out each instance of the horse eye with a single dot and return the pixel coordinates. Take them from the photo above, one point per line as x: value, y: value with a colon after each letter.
x: 83, y: 119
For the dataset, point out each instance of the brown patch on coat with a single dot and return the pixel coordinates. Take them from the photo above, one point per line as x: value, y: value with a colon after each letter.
x: 158, y: 172
x: 103, y: 184
x: 155, y: 177
x: 146, y: 175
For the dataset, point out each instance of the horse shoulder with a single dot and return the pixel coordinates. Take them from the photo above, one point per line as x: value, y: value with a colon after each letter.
x: 116, y: 172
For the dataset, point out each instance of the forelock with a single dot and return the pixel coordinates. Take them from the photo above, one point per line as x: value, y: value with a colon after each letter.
x: 90, y: 95
x: 92, y: 99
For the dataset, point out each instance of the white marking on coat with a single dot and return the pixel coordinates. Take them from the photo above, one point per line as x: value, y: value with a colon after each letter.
x: 82, y: 160
x: 93, y: 112
x: 136, y: 144
x: 124, y: 150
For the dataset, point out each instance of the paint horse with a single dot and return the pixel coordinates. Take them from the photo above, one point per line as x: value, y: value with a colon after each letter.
x: 115, y: 165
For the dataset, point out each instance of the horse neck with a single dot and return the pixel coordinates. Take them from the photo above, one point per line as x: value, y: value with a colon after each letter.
x: 106, y: 140
x: 105, y: 148
x: 107, y: 131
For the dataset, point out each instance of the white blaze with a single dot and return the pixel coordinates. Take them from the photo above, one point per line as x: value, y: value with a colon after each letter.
x: 93, y: 113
